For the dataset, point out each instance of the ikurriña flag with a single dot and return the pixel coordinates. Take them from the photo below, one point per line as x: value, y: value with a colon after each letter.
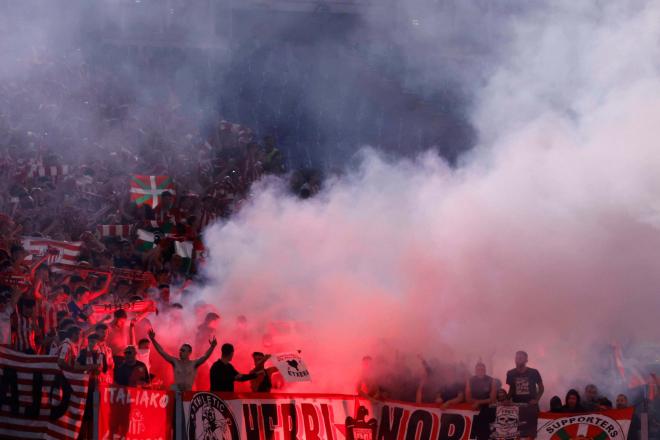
x: 38, y: 399
x: 149, y: 189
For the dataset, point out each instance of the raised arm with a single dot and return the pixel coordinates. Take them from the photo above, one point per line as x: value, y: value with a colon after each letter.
x: 159, y: 349
x: 212, y: 344
x: 103, y: 290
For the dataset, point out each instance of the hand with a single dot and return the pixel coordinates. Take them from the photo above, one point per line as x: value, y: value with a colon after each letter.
x: 151, y: 333
x: 533, y: 402
x: 213, y: 342
x: 133, y: 321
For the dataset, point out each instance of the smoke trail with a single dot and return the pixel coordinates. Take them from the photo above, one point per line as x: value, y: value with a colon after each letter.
x: 544, y: 239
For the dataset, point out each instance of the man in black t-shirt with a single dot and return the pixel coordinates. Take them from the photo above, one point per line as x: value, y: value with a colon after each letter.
x: 525, y: 384
x: 223, y: 374
x: 131, y: 372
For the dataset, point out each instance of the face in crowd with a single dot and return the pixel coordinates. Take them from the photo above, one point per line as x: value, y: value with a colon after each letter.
x: 521, y: 359
x: 184, y: 352
x: 130, y: 353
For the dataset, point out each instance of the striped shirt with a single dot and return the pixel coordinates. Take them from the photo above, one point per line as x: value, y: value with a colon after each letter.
x: 68, y: 352
x: 23, y: 333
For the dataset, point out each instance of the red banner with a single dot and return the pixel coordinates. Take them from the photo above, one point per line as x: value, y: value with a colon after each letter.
x: 38, y: 399
x: 135, y: 413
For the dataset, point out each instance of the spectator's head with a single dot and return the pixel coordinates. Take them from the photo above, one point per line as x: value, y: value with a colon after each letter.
x: 604, y: 403
x: 480, y: 369
x: 130, y: 354
x: 92, y: 341
x: 591, y: 393
x: 27, y: 307
x: 62, y: 293
x: 65, y: 324
x: 167, y: 199
x: 555, y: 404
x: 212, y: 320
x: 367, y: 362
x: 122, y: 288
x: 227, y: 351
x: 62, y: 315
x: 144, y: 344
x: 621, y: 401
x: 501, y: 395
x: 126, y: 249
x: 572, y: 399
x: 185, y: 351
x: 79, y: 293
x: 101, y: 330
x: 257, y: 357
x: 521, y: 359
x: 164, y: 293
x: 17, y: 252
x: 73, y: 333
x: 120, y: 317
x: 75, y: 281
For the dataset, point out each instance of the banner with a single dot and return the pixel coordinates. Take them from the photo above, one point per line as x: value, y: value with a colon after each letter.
x: 220, y: 416
x: 137, y: 307
x: 413, y: 421
x: 38, y: 399
x: 291, y: 366
x: 604, y: 425
x: 135, y: 413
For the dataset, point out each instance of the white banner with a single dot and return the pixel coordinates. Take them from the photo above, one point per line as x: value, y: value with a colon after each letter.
x: 291, y: 366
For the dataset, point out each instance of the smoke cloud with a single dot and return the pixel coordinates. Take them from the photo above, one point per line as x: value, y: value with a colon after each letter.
x: 545, y: 238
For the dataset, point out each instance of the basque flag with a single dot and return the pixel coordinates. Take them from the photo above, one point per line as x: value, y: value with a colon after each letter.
x: 149, y: 189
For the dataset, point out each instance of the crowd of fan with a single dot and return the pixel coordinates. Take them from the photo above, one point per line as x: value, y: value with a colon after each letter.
x: 453, y: 384
x: 71, y: 137
x: 53, y: 192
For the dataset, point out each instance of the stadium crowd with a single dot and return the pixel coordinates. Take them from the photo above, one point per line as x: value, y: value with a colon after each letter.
x: 84, y: 262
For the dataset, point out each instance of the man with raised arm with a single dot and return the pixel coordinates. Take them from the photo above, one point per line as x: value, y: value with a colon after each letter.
x: 185, y: 369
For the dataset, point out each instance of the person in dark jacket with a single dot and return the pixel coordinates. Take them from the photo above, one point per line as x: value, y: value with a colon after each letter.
x: 572, y: 403
x: 223, y: 374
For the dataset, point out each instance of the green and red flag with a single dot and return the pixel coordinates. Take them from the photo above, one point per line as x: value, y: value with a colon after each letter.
x: 149, y: 189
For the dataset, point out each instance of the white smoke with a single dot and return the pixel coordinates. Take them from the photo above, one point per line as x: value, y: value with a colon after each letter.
x: 545, y: 238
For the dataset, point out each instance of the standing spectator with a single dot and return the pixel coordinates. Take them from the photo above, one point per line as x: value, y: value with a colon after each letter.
x: 572, y: 403
x: 27, y: 328
x: 635, y: 422
x: 144, y: 352
x: 131, y: 372
x: 591, y: 396
x: 101, y: 330
x: 525, y: 384
x: 555, y: 404
x: 185, y: 369
x: 68, y: 352
x: 452, y: 391
x: 205, y: 332
x: 367, y: 385
x: 92, y: 359
x: 263, y: 383
x: 480, y: 389
x: 223, y: 373
x: 8, y: 301
x: 118, y: 337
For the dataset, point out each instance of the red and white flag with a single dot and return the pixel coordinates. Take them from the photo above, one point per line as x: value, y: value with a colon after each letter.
x: 68, y: 250
x: 122, y: 231
x: 49, y: 403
